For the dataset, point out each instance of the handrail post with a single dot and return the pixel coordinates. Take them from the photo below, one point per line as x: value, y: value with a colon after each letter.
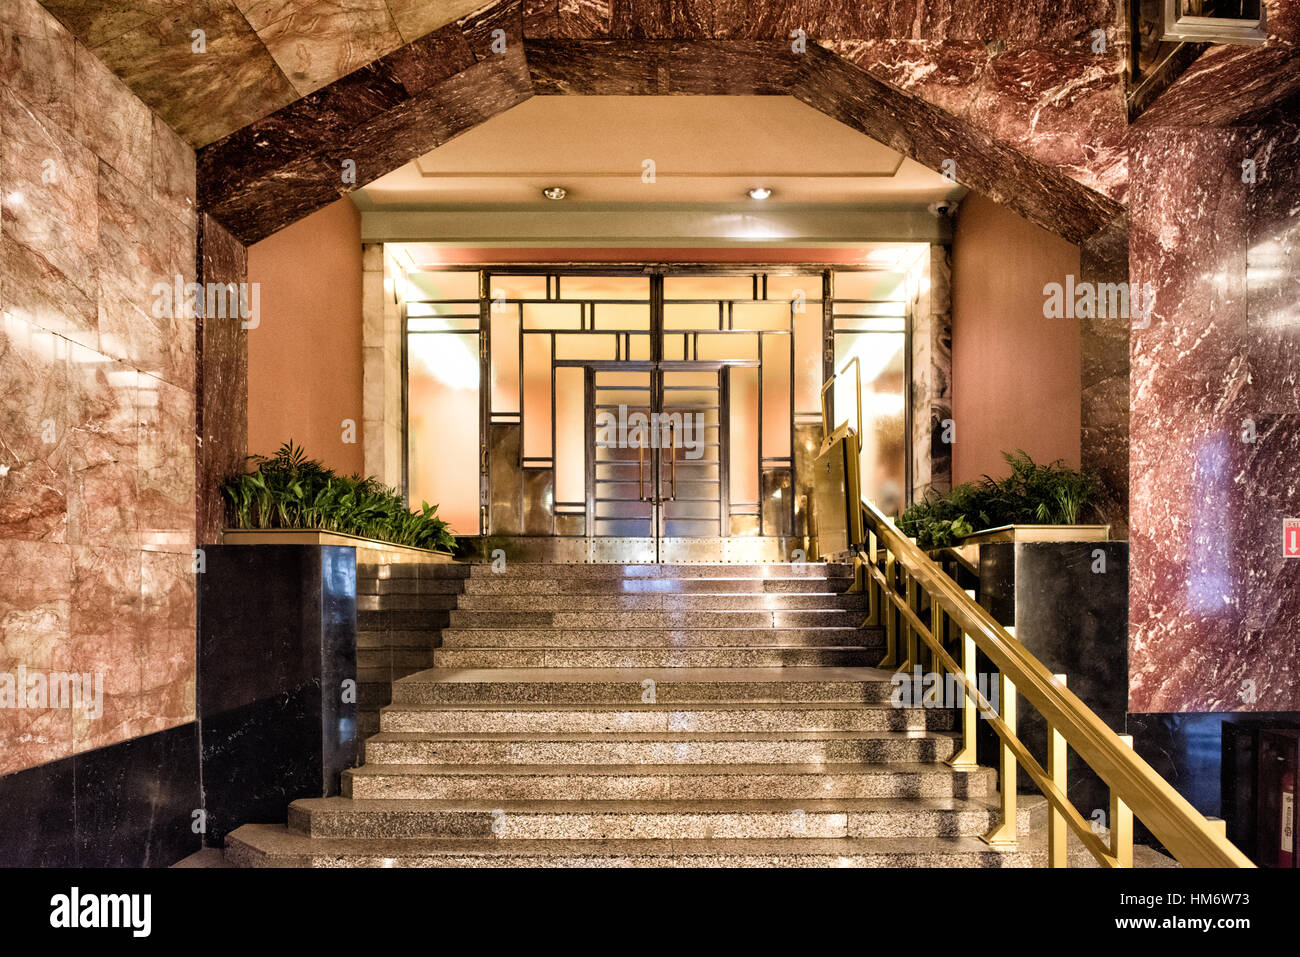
x: 1057, y: 848
x: 1121, y: 823
x: 913, y: 639
x: 939, y: 635
x: 859, y: 576
x: 965, y: 758
x: 873, y: 599
x: 1004, y: 834
x: 891, y: 617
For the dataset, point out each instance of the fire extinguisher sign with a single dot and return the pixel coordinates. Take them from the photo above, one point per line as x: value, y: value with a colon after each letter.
x: 1291, y: 538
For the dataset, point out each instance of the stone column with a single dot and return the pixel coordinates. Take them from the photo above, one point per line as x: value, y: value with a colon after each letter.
x: 932, y: 373
x: 381, y: 351
x: 222, y: 380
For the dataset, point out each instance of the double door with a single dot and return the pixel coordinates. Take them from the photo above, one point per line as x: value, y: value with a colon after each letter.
x: 658, y: 458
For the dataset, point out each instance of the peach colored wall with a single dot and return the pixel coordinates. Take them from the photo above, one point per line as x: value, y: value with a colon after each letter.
x: 1016, y: 374
x: 304, y: 358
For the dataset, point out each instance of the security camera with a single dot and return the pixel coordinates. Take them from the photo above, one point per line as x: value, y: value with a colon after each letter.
x: 943, y: 208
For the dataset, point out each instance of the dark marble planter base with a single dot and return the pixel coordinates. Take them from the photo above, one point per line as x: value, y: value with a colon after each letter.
x: 277, y: 649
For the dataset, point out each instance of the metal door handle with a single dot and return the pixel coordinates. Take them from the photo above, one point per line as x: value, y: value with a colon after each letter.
x: 640, y: 472
x: 672, y: 440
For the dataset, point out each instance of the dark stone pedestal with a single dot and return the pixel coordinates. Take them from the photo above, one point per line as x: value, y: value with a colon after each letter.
x: 277, y: 642
x: 1073, y: 617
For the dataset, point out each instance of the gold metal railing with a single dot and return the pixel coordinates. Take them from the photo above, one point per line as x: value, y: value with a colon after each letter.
x: 901, y: 581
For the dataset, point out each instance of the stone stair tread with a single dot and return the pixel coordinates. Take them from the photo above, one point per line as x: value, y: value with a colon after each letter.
x: 627, y: 647
x: 638, y: 707
x: 275, y: 844
x: 653, y: 818
x: 656, y: 569
x: 650, y: 770
x: 652, y: 806
x: 632, y: 632
x: 684, y: 737
x: 279, y: 840
x: 637, y: 675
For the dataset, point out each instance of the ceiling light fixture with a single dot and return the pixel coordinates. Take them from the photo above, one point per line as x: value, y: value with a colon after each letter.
x: 760, y: 192
x: 555, y: 192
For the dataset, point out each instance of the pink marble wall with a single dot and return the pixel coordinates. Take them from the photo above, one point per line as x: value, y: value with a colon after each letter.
x: 1215, y: 419
x: 96, y: 395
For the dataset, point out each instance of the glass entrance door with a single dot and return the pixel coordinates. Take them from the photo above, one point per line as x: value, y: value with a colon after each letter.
x: 658, y: 441
x: 622, y: 493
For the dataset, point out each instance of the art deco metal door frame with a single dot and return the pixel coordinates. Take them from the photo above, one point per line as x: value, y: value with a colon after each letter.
x: 540, y: 328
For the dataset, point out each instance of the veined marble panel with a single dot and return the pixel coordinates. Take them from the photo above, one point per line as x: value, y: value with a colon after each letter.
x: 1213, y: 602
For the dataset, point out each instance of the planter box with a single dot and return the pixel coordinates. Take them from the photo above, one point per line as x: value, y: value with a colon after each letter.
x: 1021, y: 534
x: 1063, y: 592
x: 370, y: 551
x: 277, y: 641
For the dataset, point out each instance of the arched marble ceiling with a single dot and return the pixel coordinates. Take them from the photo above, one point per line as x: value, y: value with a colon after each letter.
x: 1027, y: 97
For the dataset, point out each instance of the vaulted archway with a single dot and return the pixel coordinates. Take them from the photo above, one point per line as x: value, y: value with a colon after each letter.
x: 300, y: 158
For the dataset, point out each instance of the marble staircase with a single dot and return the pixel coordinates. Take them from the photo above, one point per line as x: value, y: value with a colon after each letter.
x: 646, y: 715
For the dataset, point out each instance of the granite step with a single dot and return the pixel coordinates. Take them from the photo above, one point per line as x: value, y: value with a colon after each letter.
x: 812, y: 618
x: 402, y: 602
x: 663, y: 748
x: 659, y: 637
x: 760, y: 570
x: 794, y: 585
x: 264, y: 845
x: 642, y: 685
x: 649, y: 820
x: 730, y: 657
x: 703, y: 716
x: 505, y: 782
x: 403, y: 619
x: 409, y: 586
x: 426, y: 639
x: 810, y: 601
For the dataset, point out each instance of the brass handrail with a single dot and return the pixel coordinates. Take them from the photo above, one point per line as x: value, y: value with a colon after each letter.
x: 1136, y: 789
x: 827, y: 432
x: 1183, y: 830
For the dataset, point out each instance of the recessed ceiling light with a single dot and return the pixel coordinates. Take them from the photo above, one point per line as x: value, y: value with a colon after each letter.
x: 760, y: 192
x: 555, y: 192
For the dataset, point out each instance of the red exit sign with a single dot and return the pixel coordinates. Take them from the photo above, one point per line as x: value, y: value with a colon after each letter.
x: 1291, y: 538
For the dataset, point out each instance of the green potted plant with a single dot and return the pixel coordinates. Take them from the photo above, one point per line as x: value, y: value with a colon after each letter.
x: 1032, y: 494
x: 287, y: 490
